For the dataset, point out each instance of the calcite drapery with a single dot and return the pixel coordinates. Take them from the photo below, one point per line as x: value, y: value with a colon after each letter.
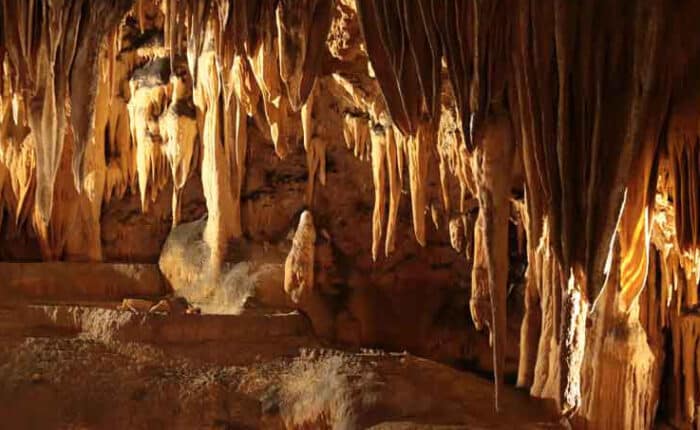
x: 302, y: 28
x: 49, y: 43
x: 98, y: 20
x: 565, y: 189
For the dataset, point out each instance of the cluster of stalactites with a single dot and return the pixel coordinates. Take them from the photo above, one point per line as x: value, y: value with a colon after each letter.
x: 238, y: 54
x: 17, y: 160
x: 266, y: 51
x: 585, y: 98
x: 406, y: 45
x: 52, y: 48
x: 278, y: 43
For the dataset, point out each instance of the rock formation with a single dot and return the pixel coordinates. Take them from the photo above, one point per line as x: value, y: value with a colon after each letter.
x: 407, y: 174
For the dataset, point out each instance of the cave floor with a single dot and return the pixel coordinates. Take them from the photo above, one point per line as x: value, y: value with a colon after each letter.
x: 90, y: 365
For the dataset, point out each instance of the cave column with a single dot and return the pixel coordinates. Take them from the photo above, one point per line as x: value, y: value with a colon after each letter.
x: 219, y: 126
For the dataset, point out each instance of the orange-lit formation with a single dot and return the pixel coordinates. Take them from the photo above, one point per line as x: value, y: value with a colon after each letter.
x: 547, y: 153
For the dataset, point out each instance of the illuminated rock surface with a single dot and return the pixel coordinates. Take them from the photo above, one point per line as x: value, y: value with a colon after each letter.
x: 507, y: 187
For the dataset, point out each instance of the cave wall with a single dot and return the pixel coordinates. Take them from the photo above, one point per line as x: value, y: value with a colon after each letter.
x: 375, y: 298
x: 405, y: 174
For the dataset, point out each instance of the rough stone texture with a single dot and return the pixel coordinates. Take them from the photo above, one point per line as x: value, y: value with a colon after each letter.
x: 271, y: 388
x: 385, y: 168
x: 80, y: 281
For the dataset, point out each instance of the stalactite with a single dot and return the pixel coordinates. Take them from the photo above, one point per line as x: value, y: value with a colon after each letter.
x: 455, y: 165
x: 149, y: 98
x: 302, y: 28
x: 401, y: 152
x: 238, y: 147
x: 418, y: 151
x: 121, y: 162
x: 245, y: 87
x: 548, y: 130
x: 454, y: 26
x: 646, y: 62
x: 178, y: 129
x: 532, y: 319
x: 85, y: 242
x: 216, y: 180
x: 45, y: 80
x: 390, y: 56
x: 634, y: 229
x: 683, y: 153
x: 601, y: 101
x: 379, y: 139
x: 405, y: 54
x: 495, y: 153
x: 50, y: 44
x: 263, y: 55
x: 98, y: 20
x: 480, y: 300
x: 17, y: 158
x: 315, y: 149
x: 395, y: 185
x: 356, y: 134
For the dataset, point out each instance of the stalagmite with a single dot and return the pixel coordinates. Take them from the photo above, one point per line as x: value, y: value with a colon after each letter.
x: 686, y: 367
x: 299, y: 266
x: 573, y: 340
x: 618, y: 354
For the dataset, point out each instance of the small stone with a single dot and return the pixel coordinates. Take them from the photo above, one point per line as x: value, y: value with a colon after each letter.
x: 136, y: 305
x: 162, y: 307
x: 193, y: 311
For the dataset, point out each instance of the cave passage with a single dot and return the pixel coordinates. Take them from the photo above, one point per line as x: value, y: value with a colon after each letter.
x: 335, y: 213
